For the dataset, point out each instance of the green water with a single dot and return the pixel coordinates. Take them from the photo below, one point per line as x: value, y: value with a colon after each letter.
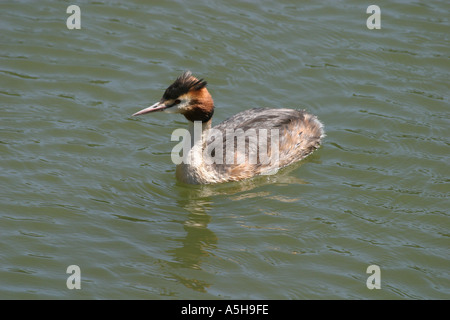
x: 83, y: 183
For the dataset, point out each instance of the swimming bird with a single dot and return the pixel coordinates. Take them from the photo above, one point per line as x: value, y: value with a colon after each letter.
x: 253, y: 142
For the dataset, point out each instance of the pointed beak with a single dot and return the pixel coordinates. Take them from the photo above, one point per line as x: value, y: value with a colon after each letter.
x: 159, y: 106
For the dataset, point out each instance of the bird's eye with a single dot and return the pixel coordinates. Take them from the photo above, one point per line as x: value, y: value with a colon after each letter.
x: 177, y: 101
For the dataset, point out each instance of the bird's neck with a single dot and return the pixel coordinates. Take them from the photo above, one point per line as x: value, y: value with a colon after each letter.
x: 197, y: 131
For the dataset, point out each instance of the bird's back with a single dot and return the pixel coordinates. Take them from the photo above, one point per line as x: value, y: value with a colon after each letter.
x: 294, y: 134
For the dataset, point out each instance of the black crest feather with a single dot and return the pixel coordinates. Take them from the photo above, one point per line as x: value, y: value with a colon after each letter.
x: 182, y: 85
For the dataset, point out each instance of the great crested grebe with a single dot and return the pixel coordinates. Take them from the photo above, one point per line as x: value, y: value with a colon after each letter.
x: 253, y: 142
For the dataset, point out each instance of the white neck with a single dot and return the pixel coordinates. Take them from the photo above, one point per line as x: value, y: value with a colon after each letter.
x: 192, y: 167
x: 196, y: 133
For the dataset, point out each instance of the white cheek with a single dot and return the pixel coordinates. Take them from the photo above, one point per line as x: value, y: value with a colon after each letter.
x: 183, y: 104
x: 171, y: 110
x: 179, y: 108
